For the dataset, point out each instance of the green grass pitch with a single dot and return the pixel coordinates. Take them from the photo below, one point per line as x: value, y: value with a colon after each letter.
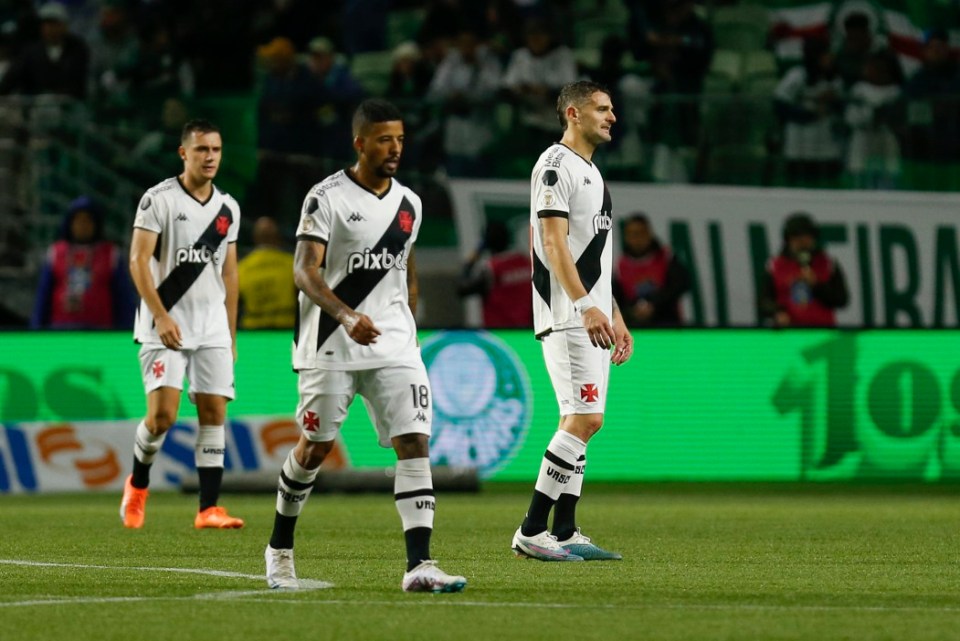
x: 700, y: 562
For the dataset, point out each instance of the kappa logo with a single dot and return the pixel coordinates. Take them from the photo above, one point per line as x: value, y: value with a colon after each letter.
x: 586, y: 181
x: 355, y: 217
x: 181, y: 217
x: 420, y: 417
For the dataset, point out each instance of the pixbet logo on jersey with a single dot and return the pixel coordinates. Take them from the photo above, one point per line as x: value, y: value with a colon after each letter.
x: 380, y: 261
x: 602, y: 222
x: 197, y: 255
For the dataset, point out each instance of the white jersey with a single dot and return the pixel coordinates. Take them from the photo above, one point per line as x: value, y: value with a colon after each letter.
x: 565, y: 184
x: 187, y: 265
x: 368, y: 239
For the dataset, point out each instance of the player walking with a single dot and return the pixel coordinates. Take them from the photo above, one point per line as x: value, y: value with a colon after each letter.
x: 575, y: 316
x: 183, y: 260
x: 356, y: 334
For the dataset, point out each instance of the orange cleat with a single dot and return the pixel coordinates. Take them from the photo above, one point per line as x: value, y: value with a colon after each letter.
x: 216, y: 517
x: 133, y: 505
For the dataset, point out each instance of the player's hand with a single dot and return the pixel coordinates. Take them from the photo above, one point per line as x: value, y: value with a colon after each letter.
x: 169, y: 333
x: 623, y: 347
x: 360, y: 328
x: 598, y: 328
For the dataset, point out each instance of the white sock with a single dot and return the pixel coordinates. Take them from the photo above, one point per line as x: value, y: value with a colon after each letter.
x: 210, y: 447
x: 413, y: 493
x: 575, y: 486
x: 559, y: 463
x: 147, y: 444
x: 294, y: 486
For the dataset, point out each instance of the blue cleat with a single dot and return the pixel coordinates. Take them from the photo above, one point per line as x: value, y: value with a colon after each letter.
x: 581, y: 545
x: 542, y: 547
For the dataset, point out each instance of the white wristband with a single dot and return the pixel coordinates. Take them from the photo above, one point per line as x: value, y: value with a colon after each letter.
x: 583, y: 304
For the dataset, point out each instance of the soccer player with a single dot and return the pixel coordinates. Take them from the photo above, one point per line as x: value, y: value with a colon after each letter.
x: 183, y: 259
x: 575, y: 316
x: 354, y: 266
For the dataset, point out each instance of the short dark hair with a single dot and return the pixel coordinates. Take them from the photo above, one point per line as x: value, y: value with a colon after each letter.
x: 576, y: 94
x: 372, y: 111
x: 198, y: 125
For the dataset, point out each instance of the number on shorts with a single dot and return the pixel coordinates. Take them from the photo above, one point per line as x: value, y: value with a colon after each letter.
x: 421, y: 395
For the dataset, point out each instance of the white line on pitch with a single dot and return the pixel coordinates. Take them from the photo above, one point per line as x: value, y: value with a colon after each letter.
x: 83, y: 566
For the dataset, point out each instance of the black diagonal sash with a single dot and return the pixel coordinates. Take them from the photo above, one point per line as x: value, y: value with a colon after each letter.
x: 181, y: 277
x: 356, y: 286
x: 588, y: 265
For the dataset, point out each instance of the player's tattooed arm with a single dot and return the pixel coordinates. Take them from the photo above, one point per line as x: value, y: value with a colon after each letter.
x: 308, y: 276
x: 141, y: 249
x: 413, y: 285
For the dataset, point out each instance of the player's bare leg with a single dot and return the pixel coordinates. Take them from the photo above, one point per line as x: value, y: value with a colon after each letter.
x: 208, y: 454
x: 416, y: 504
x: 163, y: 404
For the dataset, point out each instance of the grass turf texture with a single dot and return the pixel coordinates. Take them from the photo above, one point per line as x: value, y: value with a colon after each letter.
x: 701, y: 562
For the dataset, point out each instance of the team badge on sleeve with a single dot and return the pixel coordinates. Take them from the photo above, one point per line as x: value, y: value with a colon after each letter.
x: 306, y: 225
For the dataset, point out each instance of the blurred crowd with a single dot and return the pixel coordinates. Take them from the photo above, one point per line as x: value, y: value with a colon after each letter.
x: 477, y: 80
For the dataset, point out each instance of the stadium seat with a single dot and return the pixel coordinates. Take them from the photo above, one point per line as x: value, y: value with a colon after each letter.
x: 403, y: 25
x: 741, y: 27
x: 372, y: 70
x: 759, y: 64
x: 726, y: 66
x: 590, y: 33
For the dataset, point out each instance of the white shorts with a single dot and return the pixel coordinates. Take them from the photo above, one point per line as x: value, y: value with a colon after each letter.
x: 578, y: 370
x: 398, y: 400
x: 209, y: 370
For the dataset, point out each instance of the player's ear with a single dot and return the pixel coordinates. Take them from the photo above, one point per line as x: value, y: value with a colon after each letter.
x: 182, y: 152
x: 572, y: 114
x: 358, y: 144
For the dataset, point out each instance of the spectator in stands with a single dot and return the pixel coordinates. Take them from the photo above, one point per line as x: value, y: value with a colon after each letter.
x: 465, y: 88
x: 161, y: 72
x: 268, y: 296
x: 58, y: 64
x: 151, y: 155
x: 410, y: 77
x: 933, y: 108
x: 534, y: 76
x: 873, y: 154
x: 856, y: 45
x: 337, y: 94
x: 809, y: 100
x: 114, y: 51
x: 502, y: 276
x: 679, y: 46
x: 648, y: 279
x: 288, y: 133
x: 803, y: 286
x: 83, y: 282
